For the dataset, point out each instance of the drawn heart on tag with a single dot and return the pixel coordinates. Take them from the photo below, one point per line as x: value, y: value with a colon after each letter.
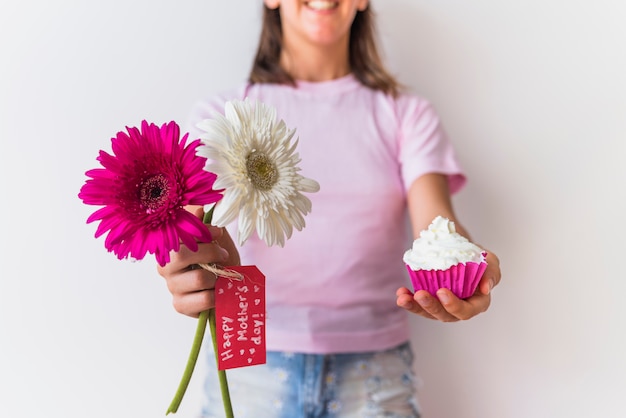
x: 240, y: 318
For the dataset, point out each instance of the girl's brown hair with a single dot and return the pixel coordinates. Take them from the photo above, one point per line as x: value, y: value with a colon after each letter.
x: 365, y: 61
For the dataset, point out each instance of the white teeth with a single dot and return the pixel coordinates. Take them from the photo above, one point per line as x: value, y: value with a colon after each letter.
x: 321, y: 4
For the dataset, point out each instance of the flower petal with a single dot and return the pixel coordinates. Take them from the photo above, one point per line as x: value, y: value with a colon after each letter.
x: 272, y: 207
x: 143, y: 187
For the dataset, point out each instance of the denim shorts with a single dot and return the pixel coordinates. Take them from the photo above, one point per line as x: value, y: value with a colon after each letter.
x: 295, y: 385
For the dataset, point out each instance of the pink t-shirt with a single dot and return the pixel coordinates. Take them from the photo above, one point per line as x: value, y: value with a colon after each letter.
x: 331, y: 289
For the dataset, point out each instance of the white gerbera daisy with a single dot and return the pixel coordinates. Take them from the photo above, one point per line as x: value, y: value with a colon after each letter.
x: 256, y: 165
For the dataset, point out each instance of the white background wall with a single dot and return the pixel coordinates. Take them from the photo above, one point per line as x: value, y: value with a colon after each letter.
x: 533, y: 94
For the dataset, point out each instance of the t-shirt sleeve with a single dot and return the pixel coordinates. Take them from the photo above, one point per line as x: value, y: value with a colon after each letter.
x: 424, y: 145
x: 207, y: 108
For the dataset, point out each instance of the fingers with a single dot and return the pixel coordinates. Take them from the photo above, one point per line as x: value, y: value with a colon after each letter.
x: 192, y: 291
x: 191, y: 304
x: 216, y: 232
x: 182, y: 259
x: 445, y: 307
x: 191, y: 281
x: 461, y: 309
x: 424, y: 304
x: 191, y: 286
x: 196, y: 210
x: 406, y: 301
x: 434, y: 307
x: 492, y: 276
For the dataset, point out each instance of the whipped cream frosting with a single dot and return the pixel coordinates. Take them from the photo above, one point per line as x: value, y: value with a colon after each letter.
x: 440, y: 247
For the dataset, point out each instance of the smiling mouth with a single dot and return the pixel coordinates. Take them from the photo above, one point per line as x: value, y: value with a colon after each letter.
x: 321, y: 4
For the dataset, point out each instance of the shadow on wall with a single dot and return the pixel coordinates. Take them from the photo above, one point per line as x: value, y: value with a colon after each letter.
x: 432, y: 54
x: 444, y: 62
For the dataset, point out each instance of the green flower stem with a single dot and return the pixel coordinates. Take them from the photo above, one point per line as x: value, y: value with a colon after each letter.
x: 191, y: 363
x: 221, y: 374
x: 195, y: 351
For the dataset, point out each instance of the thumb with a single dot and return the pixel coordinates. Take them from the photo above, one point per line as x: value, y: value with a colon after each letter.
x: 197, y: 211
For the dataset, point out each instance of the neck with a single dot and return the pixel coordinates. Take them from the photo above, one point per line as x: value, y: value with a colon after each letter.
x: 315, y: 62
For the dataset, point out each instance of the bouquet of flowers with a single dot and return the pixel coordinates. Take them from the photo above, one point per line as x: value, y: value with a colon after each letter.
x: 243, y: 167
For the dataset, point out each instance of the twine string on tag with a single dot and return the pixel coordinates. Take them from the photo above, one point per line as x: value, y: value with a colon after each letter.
x: 222, y: 272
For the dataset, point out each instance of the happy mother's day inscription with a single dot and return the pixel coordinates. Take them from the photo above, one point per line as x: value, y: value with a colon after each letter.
x: 240, y: 319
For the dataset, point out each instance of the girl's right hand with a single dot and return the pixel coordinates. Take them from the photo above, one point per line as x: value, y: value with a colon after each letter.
x: 192, y: 287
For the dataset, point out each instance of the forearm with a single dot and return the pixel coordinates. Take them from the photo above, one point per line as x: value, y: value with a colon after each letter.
x: 427, y: 198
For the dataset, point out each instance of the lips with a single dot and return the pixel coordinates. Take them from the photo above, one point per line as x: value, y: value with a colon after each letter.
x: 321, y: 4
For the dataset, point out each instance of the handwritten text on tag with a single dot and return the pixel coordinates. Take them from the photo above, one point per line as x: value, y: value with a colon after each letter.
x: 240, y: 318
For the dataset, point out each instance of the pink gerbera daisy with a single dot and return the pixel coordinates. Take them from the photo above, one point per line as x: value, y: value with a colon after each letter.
x: 143, y: 188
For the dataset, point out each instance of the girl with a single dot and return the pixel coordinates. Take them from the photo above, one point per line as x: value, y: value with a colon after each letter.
x: 338, y: 342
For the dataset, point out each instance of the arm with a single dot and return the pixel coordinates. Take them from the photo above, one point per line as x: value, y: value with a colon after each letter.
x: 193, y: 289
x: 428, y: 197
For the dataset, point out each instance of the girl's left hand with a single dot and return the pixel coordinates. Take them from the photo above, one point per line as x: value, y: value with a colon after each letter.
x: 446, y: 306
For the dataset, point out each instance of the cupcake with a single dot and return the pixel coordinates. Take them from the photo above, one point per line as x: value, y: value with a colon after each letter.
x: 441, y: 258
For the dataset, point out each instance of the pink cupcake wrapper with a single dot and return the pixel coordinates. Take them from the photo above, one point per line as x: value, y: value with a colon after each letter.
x: 461, y: 279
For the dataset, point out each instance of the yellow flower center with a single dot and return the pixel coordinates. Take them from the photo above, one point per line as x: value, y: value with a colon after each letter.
x: 262, y: 171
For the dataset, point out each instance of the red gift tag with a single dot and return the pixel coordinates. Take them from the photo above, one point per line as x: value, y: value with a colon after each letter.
x: 240, y: 318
